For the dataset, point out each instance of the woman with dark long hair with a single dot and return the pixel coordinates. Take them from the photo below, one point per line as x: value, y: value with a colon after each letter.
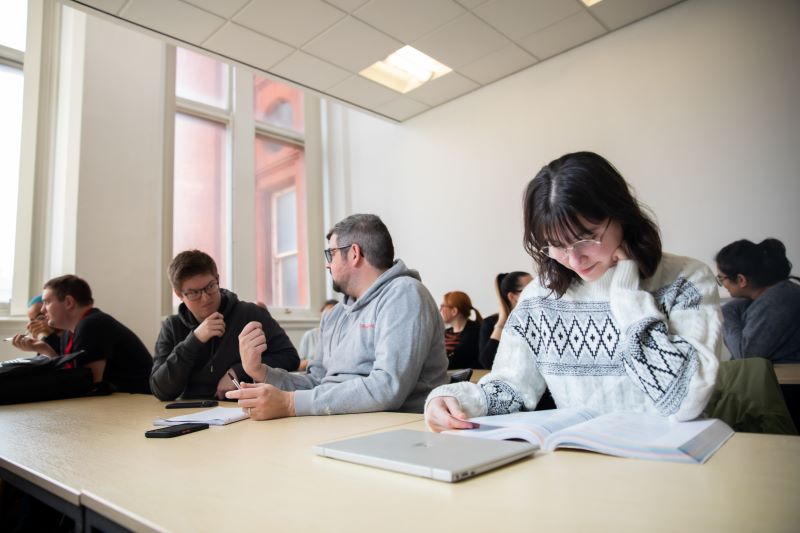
x: 763, y: 319
x: 611, y: 323
x: 508, y: 287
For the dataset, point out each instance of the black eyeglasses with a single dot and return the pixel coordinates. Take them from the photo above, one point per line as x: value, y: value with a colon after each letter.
x: 329, y: 252
x: 721, y: 278
x: 194, y: 294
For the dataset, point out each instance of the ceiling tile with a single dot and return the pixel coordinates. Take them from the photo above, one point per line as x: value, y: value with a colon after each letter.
x: 518, y: 18
x: 224, y: 9
x: 498, y: 64
x: 106, y: 6
x: 402, y: 108
x: 617, y: 13
x: 347, y: 5
x: 352, y: 45
x: 410, y: 19
x: 173, y: 18
x: 247, y: 46
x: 443, y: 89
x: 292, y: 21
x: 471, y: 4
x: 462, y: 41
x: 561, y: 36
x: 361, y: 91
x: 310, y: 71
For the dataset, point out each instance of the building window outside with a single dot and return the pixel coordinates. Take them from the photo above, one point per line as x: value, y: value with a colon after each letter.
x: 12, y: 49
x: 205, y: 175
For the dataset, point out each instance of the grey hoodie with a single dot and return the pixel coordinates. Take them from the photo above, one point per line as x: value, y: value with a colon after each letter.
x: 382, y: 352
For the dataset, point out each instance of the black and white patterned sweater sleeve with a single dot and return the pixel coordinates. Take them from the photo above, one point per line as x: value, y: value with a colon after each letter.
x: 671, y: 336
x: 514, y: 382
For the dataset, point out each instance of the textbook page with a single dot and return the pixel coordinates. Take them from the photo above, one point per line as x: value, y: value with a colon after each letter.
x: 645, y: 436
x: 218, y: 416
x: 532, y: 426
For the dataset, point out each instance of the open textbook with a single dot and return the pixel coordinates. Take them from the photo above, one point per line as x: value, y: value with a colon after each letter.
x: 637, y: 435
x: 218, y: 416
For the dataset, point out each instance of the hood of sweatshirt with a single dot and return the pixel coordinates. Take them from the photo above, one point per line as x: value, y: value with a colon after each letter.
x: 397, y: 270
x: 228, y: 301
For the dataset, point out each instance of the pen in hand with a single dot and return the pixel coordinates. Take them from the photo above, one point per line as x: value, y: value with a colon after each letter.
x: 233, y: 378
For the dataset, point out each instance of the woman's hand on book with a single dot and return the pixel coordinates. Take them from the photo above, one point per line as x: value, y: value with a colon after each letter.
x: 444, y: 412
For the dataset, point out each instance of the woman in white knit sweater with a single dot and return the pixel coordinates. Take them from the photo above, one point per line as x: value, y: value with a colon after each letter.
x: 611, y: 323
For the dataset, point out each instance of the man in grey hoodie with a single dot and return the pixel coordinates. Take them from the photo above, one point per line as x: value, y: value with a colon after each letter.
x: 381, y: 349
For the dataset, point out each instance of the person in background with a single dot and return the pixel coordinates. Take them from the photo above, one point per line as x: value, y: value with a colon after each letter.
x: 611, y: 322
x: 112, y: 351
x: 461, y: 335
x: 380, y: 349
x: 508, y: 288
x: 38, y: 331
x: 198, y: 348
x: 763, y: 319
x: 310, y: 339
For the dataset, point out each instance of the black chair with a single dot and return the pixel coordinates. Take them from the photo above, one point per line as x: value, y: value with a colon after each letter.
x: 457, y: 376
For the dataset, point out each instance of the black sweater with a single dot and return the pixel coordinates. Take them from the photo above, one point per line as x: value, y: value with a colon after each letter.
x: 488, y: 345
x: 184, y: 366
x: 102, y: 337
x: 465, y: 354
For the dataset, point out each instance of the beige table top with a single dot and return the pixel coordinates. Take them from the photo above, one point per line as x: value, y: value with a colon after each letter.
x: 69, y: 446
x: 787, y: 373
x: 260, y: 476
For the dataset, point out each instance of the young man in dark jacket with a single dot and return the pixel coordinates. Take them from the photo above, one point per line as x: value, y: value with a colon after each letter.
x: 197, y: 347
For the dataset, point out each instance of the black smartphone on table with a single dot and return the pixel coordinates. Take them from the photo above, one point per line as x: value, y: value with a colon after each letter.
x: 191, y: 405
x: 177, y: 430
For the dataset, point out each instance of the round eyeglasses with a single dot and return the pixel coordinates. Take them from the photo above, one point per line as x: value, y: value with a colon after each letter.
x: 582, y: 247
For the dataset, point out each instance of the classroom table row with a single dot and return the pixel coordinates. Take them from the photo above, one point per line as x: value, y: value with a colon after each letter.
x: 91, y: 453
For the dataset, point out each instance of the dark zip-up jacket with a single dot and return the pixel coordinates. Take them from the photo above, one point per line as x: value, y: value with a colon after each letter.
x: 184, y: 366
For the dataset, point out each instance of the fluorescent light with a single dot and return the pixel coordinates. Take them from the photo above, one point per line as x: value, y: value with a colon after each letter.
x: 405, y: 70
x: 590, y: 3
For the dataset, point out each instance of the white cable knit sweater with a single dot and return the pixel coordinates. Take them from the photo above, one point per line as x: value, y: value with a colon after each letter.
x: 616, y: 344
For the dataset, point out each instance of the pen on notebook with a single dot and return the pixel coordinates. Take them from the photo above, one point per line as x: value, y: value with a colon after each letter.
x: 233, y: 378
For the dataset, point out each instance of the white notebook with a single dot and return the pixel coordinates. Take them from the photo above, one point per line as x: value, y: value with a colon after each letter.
x: 217, y: 416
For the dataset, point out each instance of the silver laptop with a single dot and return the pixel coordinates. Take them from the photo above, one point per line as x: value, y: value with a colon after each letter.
x: 441, y: 457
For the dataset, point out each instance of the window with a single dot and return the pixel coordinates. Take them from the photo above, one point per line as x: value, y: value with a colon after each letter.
x: 12, y: 47
x: 200, y: 180
x: 281, y: 245
x: 200, y: 188
x: 262, y: 122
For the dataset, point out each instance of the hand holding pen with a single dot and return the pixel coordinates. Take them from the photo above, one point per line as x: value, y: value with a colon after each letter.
x: 238, y: 386
x: 233, y: 378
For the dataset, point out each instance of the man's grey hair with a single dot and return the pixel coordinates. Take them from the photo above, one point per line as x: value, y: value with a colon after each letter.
x: 370, y: 233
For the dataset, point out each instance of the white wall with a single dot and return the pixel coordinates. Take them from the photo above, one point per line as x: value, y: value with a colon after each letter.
x: 118, y: 243
x: 696, y: 105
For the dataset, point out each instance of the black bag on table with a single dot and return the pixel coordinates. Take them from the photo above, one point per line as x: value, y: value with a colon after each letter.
x: 41, y: 378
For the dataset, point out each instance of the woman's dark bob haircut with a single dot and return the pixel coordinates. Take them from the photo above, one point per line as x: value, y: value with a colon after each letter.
x: 583, y: 184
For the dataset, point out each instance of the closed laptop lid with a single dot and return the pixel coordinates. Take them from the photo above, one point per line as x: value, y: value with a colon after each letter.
x: 432, y: 455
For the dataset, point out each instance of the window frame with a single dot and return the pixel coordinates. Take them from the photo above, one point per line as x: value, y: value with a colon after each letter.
x: 39, y: 65
x: 13, y: 59
x: 242, y: 131
x: 277, y: 256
